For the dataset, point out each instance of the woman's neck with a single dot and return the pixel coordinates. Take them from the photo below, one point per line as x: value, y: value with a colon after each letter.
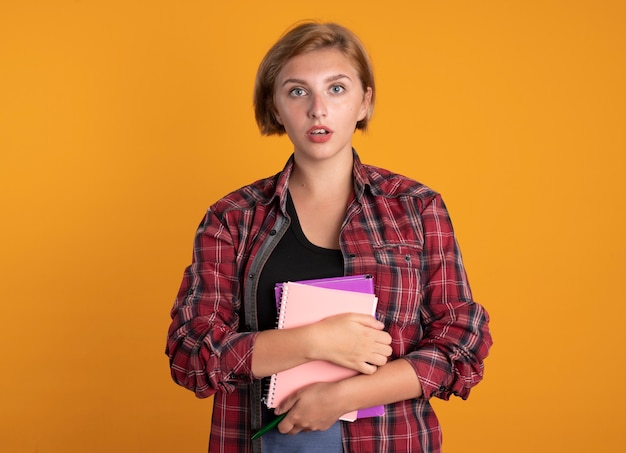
x: 323, y: 181
x: 321, y: 194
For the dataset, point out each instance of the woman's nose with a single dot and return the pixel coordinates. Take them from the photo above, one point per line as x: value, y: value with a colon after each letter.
x: 317, y: 108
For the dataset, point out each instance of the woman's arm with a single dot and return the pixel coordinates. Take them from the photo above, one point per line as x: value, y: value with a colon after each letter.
x: 318, y: 406
x: 206, y: 351
x: 351, y: 340
x: 449, y: 357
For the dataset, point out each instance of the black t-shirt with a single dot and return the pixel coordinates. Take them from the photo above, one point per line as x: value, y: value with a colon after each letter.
x: 293, y: 259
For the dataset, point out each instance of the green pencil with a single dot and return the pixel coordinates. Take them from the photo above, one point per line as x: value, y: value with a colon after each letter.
x: 269, y: 426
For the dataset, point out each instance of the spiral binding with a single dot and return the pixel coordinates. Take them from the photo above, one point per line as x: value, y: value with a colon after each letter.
x: 283, y: 305
x: 271, y: 390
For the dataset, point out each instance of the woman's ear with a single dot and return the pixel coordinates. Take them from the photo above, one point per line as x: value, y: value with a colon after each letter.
x: 366, y: 104
x: 277, y: 118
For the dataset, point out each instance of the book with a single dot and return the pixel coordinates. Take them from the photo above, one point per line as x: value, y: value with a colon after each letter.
x: 310, y: 301
x: 357, y: 283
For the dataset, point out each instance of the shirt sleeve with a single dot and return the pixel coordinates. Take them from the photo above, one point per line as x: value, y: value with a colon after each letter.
x: 449, y: 358
x: 206, y: 350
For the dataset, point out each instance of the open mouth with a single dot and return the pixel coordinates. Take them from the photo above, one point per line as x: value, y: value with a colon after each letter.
x: 319, y: 134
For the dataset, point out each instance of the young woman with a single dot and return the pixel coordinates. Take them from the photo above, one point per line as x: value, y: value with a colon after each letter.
x: 326, y: 214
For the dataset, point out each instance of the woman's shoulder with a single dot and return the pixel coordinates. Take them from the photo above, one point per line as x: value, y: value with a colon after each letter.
x: 248, y: 197
x: 391, y: 184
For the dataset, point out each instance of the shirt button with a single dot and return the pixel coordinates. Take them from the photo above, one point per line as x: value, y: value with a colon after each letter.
x: 352, y: 255
x: 273, y: 233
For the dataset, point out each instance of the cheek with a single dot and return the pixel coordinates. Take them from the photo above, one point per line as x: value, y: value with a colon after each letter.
x: 291, y: 116
x: 352, y: 114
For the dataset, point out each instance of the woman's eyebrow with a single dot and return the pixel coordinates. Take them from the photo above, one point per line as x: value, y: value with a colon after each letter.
x: 296, y: 81
x: 332, y: 78
x: 337, y: 77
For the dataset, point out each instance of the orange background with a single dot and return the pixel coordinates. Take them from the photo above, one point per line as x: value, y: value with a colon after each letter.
x: 121, y: 121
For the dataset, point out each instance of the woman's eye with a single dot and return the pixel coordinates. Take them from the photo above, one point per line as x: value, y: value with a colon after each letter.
x: 297, y: 92
x: 336, y: 89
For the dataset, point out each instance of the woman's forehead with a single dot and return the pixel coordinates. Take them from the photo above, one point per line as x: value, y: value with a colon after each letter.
x: 323, y: 63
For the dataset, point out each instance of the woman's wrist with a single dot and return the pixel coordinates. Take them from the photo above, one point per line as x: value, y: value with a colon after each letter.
x: 309, y: 339
x: 344, y: 392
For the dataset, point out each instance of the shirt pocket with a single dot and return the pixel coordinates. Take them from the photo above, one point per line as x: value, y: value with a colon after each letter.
x: 399, y: 291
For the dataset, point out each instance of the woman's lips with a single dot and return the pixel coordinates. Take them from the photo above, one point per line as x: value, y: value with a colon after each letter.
x: 319, y: 134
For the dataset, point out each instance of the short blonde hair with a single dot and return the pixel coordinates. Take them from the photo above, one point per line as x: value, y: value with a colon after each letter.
x: 307, y: 37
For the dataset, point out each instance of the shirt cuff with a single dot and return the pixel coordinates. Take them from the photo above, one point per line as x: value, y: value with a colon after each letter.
x: 435, y: 376
x: 238, y: 361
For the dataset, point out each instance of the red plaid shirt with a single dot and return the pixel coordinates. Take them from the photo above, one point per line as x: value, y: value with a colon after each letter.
x: 395, y: 229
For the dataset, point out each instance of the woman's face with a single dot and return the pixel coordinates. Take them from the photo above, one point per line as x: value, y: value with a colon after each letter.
x: 319, y: 99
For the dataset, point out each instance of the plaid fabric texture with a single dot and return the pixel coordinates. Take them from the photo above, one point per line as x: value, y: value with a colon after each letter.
x: 396, y: 229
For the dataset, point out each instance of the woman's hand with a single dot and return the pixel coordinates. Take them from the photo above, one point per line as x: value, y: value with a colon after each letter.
x: 315, y: 407
x: 352, y: 340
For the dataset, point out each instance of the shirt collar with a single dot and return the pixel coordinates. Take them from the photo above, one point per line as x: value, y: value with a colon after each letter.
x: 282, y: 184
x: 361, y: 177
